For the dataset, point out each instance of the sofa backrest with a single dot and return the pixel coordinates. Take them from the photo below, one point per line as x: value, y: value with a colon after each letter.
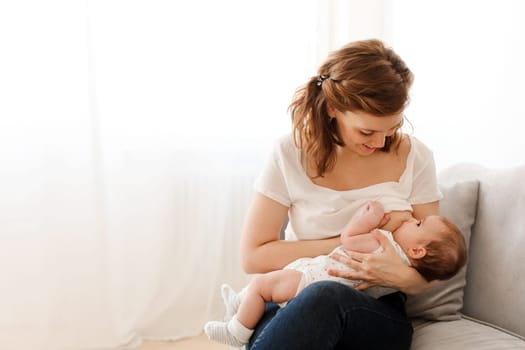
x: 495, y: 280
x: 495, y: 290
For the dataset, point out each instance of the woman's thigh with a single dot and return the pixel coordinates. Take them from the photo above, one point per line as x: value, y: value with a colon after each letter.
x: 329, y: 315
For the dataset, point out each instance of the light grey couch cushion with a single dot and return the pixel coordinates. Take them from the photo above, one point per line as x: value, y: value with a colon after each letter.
x: 493, y: 296
x: 463, y: 334
x: 495, y: 290
x: 444, y: 301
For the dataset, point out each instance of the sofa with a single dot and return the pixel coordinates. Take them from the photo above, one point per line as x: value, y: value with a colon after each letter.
x: 483, y: 306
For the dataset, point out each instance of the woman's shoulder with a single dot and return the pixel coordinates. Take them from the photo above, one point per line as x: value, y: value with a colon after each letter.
x: 420, y: 161
x: 284, y: 146
x: 416, y: 143
x: 415, y: 155
x: 285, y: 140
x: 419, y: 150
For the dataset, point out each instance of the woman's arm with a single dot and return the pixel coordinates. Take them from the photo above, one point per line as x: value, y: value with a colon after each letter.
x: 261, y: 249
x: 386, y: 269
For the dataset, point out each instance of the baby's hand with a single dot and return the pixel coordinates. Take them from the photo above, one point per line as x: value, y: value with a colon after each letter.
x: 384, y: 220
x: 368, y: 218
x: 374, y: 207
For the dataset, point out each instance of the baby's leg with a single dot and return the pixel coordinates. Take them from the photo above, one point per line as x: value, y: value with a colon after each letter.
x: 276, y: 286
x: 365, y: 220
x: 231, y: 300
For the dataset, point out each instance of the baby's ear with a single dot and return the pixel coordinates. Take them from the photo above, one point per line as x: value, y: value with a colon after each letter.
x: 417, y: 252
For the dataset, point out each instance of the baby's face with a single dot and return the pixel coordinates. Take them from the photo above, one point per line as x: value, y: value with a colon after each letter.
x: 414, y: 232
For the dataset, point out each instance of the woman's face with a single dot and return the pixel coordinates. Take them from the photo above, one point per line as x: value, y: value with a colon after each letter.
x: 364, y: 133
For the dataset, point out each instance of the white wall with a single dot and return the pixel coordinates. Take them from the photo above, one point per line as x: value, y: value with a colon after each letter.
x: 467, y: 56
x: 467, y: 59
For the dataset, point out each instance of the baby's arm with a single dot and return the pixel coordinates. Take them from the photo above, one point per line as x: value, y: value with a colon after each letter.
x: 363, y: 243
x: 356, y: 235
x: 369, y: 217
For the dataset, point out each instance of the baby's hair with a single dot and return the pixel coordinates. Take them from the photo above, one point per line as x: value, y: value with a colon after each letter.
x: 445, y: 255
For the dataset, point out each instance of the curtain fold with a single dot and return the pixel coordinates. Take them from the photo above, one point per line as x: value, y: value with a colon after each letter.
x: 130, y: 136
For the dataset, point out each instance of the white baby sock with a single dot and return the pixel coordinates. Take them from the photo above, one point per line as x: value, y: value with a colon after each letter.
x: 232, y: 333
x: 231, y: 300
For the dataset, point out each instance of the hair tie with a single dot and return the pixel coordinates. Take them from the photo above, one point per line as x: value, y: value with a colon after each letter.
x: 321, y: 78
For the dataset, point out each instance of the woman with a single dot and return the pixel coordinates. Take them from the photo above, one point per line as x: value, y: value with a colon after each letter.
x: 346, y: 148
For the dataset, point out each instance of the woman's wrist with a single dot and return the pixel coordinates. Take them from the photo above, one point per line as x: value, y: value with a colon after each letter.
x: 332, y: 243
x: 412, y: 282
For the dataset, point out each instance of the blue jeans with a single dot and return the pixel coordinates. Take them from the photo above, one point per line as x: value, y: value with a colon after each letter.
x: 329, y: 315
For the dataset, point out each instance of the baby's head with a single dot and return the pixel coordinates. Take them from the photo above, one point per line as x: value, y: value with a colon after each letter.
x: 434, y: 245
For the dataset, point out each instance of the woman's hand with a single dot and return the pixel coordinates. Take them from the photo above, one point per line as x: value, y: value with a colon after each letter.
x: 385, y: 269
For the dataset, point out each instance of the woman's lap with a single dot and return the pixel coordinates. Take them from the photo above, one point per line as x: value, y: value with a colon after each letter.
x: 329, y: 315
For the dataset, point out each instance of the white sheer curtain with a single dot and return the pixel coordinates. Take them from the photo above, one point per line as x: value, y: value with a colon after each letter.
x: 130, y: 135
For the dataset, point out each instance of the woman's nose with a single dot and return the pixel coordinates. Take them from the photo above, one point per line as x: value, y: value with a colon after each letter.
x: 379, y: 140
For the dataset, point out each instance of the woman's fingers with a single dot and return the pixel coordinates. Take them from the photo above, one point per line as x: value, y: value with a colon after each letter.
x: 359, y: 257
x: 375, y: 269
x: 371, y: 269
x: 356, y: 273
x: 362, y: 285
x: 351, y: 275
x: 354, y: 261
x: 382, y: 239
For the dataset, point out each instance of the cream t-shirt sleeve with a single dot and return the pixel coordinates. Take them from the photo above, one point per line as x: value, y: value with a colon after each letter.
x: 272, y: 181
x: 425, y: 188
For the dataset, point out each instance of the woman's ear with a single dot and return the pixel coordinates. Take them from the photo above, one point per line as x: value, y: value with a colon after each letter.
x: 417, y: 252
x: 331, y: 110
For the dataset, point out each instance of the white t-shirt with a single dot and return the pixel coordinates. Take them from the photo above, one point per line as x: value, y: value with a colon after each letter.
x: 317, y: 212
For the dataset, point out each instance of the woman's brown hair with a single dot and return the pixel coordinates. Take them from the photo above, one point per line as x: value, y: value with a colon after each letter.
x: 361, y: 76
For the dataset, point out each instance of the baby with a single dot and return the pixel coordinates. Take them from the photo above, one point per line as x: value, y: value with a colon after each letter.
x: 434, y: 246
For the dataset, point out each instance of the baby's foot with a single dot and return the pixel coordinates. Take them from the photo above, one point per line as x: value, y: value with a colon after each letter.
x: 218, y: 331
x: 231, y: 301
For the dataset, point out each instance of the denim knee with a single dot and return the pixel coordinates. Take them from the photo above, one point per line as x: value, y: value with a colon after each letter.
x: 329, y: 315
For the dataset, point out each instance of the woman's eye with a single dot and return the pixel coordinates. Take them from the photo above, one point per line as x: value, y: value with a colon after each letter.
x: 391, y: 132
x: 366, y: 133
